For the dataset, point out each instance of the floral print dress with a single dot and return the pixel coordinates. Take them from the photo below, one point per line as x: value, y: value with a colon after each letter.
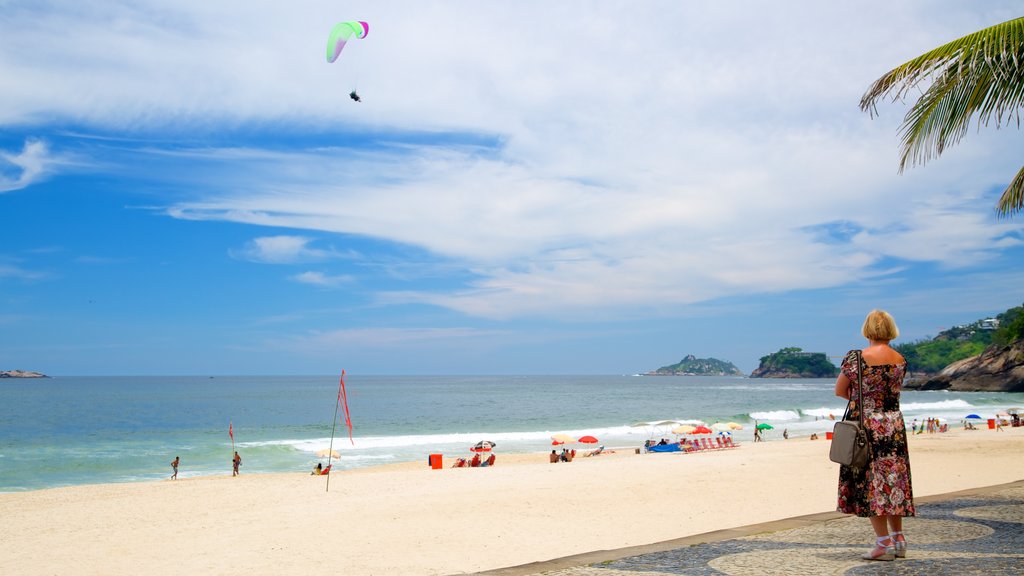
x: 883, y: 487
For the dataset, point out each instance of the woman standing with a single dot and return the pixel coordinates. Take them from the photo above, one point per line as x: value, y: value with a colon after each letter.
x: 881, y: 491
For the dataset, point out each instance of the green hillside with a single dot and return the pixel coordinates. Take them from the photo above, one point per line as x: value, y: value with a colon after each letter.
x: 931, y: 355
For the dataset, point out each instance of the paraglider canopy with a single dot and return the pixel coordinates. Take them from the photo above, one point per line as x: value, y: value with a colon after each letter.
x: 342, y: 33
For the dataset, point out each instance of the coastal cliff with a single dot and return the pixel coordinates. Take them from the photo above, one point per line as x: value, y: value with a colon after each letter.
x: 997, y: 369
x: 21, y: 374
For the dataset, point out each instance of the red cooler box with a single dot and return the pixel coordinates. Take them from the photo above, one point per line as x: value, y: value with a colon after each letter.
x: 435, y: 461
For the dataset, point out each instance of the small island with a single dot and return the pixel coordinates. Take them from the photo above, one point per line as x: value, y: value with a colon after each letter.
x: 795, y: 363
x: 21, y: 374
x: 693, y: 366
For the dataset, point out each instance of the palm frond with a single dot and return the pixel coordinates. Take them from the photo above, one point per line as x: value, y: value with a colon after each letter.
x: 980, y: 74
x: 1012, y: 200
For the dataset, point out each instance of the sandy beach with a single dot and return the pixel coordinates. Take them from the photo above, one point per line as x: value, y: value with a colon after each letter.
x: 409, y: 519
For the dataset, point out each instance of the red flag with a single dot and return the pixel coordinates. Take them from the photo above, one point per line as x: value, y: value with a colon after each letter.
x: 231, y: 431
x: 343, y: 399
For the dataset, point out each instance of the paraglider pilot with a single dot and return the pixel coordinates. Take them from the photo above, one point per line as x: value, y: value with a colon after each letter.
x: 355, y: 96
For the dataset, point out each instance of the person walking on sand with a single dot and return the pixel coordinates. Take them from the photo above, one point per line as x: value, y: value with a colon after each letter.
x: 881, y: 491
x: 235, y: 463
x: 174, y: 466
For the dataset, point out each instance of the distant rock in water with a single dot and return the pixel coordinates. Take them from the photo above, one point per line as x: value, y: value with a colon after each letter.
x: 21, y: 374
x: 997, y: 369
x: 795, y: 363
x: 693, y: 366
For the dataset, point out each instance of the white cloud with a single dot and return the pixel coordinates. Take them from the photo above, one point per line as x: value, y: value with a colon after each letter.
x: 619, y: 154
x: 22, y: 169
x: 320, y: 279
x: 19, y: 273
x: 282, y: 250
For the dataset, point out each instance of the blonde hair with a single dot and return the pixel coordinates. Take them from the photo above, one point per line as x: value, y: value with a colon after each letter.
x: 880, y: 325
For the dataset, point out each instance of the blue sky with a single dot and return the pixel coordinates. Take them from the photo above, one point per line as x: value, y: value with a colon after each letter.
x: 530, y: 187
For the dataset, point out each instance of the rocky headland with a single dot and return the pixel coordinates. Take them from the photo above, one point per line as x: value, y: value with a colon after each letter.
x: 997, y: 369
x: 693, y: 366
x: 21, y: 374
x: 795, y: 363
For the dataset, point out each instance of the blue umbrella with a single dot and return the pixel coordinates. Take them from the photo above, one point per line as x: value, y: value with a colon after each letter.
x: 975, y: 416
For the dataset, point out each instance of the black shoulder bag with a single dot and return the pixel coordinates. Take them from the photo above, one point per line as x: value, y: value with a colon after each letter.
x: 850, y: 446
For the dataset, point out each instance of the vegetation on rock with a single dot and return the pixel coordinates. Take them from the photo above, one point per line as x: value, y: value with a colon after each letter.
x: 693, y: 366
x: 931, y: 355
x: 795, y: 363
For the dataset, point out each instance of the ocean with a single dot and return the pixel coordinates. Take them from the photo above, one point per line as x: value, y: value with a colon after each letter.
x: 86, y: 430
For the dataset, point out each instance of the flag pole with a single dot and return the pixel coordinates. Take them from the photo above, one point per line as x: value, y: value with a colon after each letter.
x: 334, y: 426
x: 231, y: 432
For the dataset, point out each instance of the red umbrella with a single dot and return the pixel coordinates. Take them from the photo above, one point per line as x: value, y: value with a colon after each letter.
x: 701, y: 430
x: 588, y: 440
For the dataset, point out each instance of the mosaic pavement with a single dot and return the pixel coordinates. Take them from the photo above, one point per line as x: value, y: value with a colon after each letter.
x: 971, y: 532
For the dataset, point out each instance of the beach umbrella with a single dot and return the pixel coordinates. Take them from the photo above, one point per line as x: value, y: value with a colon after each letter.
x: 684, y: 429
x: 588, y: 440
x: 734, y: 426
x: 1014, y: 410
x: 720, y: 427
x: 701, y: 430
x: 562, y: 439
x: 483, y: 446
x: 973, y: 417
x: 323, y: 453
x: 765, y: 426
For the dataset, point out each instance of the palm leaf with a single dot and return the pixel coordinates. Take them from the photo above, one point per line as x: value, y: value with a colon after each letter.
x: 1012, y: 199
x: 980, y: 75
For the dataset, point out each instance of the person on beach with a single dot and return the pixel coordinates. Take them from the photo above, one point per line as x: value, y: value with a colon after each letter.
x: 882, y: 490
x: 553, y: 458
x: 318, y: 470
x: 235, y: 463
x: 174, y: 466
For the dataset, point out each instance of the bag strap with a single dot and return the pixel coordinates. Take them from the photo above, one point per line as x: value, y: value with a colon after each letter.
x: 860, y: 385
x: 860, y: 389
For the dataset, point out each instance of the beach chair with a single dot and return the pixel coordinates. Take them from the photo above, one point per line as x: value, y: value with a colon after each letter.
x: 721, y: 444
x: 488, y: 462
x: 326, y: 471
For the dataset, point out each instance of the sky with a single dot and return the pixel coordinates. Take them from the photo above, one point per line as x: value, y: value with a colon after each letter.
x: 526, y: 187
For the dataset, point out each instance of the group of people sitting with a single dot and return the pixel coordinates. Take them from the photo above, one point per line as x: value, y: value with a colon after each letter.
x: 566, y: 456
x: 475, y: 462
